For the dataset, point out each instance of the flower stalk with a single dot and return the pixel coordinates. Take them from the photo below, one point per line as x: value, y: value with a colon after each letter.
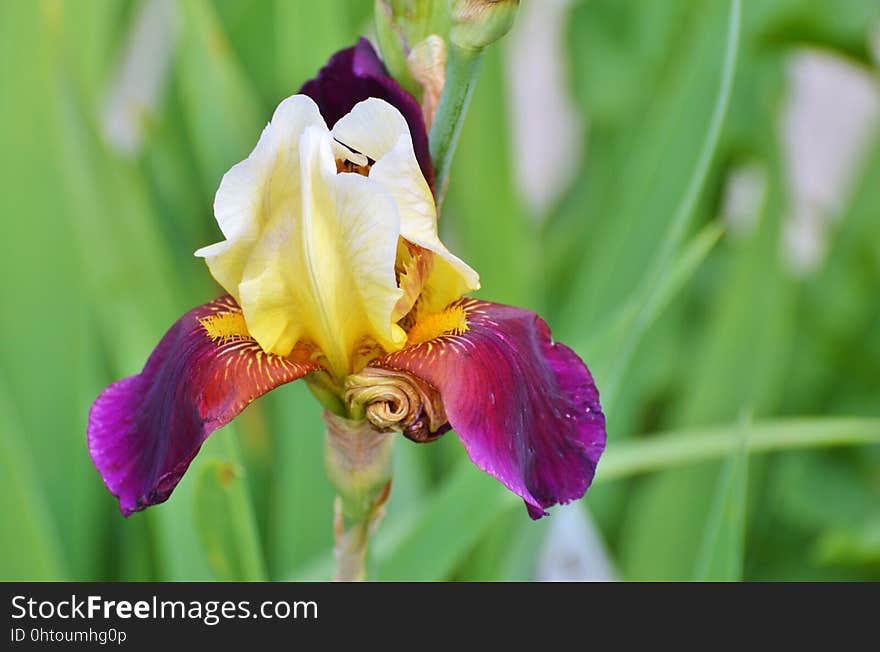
x: 358, y: 458
x: 379, y: 404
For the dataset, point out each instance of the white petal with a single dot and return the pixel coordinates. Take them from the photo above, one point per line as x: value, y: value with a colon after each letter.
x: 373, y: 127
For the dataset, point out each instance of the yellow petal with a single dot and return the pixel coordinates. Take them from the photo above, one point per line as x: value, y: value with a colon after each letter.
x: 309, y: 253
x: 413, y: 267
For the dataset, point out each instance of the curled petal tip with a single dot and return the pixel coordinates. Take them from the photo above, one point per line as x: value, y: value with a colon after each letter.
x: 396, y: 400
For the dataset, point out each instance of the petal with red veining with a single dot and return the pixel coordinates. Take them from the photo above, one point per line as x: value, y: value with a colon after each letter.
x: 144, y: 430
x: 526, y: 408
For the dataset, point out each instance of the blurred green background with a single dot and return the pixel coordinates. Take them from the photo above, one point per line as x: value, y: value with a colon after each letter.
x: 687, y: 247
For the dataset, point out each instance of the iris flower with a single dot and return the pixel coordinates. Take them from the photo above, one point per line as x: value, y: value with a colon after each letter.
x: 334, y: 271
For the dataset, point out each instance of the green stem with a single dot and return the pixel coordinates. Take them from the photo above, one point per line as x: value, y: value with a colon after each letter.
x: 461, y: 76
x: 358, y: 461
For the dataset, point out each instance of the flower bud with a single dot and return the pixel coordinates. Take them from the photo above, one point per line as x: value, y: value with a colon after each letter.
x: 478, y: 23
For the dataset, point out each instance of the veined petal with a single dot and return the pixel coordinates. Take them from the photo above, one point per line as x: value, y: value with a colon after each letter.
x: 144, y: 430
x: 377, y: 129
x: 357, y: 73
x: 525, y: 408
x: 310, y: 253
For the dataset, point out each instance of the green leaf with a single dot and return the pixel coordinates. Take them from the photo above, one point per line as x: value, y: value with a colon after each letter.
x: 720, y: 558
x: 225, y: 522
x: 470, y: 502
x: 507, y: 551
x: 180, y: 556
x: 734, y: 345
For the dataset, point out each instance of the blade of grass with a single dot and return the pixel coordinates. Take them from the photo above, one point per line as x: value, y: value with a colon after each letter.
x: 468, y: 505
x: 691, y: 446
x: 182, y: 530
x: 720, y: 557
x: 732, y: 353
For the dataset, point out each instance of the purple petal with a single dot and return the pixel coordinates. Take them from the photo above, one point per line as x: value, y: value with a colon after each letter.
x: 526, y: 408
x: 144, y: 430
x: 357, y: 73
